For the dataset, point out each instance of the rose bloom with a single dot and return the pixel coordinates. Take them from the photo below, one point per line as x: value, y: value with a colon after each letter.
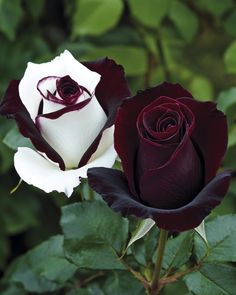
x: 170, y: 147
x: 67, y: 110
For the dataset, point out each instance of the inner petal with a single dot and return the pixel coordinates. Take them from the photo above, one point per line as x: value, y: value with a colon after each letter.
x: 65, y: 64
x: 167, y: 123
x: 72, y: 133
x: 163, y: 124
x: 68, y: 90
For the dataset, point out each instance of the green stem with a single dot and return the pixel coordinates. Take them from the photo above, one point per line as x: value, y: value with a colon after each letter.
x: 154, y: 289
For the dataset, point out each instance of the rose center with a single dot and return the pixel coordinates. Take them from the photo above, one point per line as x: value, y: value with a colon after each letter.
x: 68, y: 89
x: 166, y: 124
x: 62, y: 90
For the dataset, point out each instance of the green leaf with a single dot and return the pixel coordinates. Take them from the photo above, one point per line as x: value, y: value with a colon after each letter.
x: 92, y: 289
x: 144, y: 249
x: 232, y: 136
x: 201, y: 88
x: 217, y: 8
x: 133, y: 59
x: 178, y: 250
x: 123, y: 283
x: 95, y: 17
x: 10, y: 16
x: 227, y: 104
x: 35, y: 7
x: 230, y: 23
x: 14, y: 139
x: 42, y: 269
x: 6, y: 158
x: 178, y: 288
x: 13, y: 290
x: 226, y: 99
x: 142, y: 229
x: 230, y: 58
x: 212, y: 279
x: 184, y: 19
x: 221, y: 236
x: 17, y: 213
x: 149, y: 12
x: 93, y: 235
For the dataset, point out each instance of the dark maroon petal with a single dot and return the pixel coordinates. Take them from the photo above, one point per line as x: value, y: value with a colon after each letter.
x: 167, y: 117
x: 41, y: 81
x: 68, y: 89
x: 177, y: 182
x: 12, y: 107
x: 161, y: 123
x: 113, y: 86
x: 113, y: 187
x: 210, y: 134
x: 57, y: 114
x: 126, y: 134
x: 110, y: 92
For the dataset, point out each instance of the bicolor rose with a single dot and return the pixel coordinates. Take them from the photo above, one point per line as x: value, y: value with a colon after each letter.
x: 67, y: 110
x: 171, y: 147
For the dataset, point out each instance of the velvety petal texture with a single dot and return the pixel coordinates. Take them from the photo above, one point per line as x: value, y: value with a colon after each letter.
x: 112, y: 185
x: 67, y: 109
x: 170, y: 147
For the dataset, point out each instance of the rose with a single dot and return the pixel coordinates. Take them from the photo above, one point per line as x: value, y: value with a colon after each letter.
x: 67, y: 109
x: 170, y: 147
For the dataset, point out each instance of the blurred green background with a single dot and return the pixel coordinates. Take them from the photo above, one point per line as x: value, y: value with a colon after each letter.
x: 185, y: 41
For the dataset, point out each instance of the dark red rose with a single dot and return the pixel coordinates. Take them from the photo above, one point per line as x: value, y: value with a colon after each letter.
x: 170, y: 146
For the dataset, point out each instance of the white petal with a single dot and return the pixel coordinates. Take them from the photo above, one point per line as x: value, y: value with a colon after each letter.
x: 63, y: 65
x: 78, y: 72
x: 38, y: 171
x: 72, y: 133
x: 107, y: 159
x: 105, y: 142
x: 50, y: 106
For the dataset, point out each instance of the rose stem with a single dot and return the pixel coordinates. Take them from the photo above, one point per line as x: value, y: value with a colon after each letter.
x: 154, y: 290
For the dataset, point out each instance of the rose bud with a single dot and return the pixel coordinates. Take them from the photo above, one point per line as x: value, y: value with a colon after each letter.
x: 170, y: 146
x: 67, y: 110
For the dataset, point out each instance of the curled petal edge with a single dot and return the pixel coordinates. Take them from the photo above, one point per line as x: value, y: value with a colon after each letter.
x: 112, y: 185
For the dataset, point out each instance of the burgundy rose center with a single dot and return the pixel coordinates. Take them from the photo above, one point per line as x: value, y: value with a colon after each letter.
x: 62, y: 90
x: 68, y: 89
x: 166, y: 122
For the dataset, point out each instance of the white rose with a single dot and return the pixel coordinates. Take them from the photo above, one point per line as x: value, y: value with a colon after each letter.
x: 67, y: 109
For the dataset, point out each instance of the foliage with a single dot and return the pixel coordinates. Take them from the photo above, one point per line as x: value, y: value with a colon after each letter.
x: 185, y: 41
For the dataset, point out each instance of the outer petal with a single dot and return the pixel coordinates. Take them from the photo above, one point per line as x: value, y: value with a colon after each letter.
x: 105, y: 143
x: 46, y: 175
x: 110, y: 92
x: 210, y: 134
x: 72, y: 133
x: 113, y: 187
x: 126, y: 134
x: 177, y: 182
x: 112, y: 88
x: 13, y: 107
x: 65, y: 64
